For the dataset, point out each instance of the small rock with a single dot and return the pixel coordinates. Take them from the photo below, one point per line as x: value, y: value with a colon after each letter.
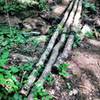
x: 73, y: 92
x: 45, y: 29
x: 27, y: 26
x: 98, y: 21
x: 52, y: 92
x: 86, y: 28
x: 58, y: 10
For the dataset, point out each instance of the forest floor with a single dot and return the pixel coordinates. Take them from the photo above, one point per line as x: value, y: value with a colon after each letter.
x: 84, y: 63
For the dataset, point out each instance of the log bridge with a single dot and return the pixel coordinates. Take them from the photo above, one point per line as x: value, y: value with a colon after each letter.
x: 59, y: 51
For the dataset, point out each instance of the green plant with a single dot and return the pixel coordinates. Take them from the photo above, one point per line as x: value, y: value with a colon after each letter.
x: 12, y: 6
x: 39, y: 92
x: 77, y: 41
x: 88, y: 5
x: 16, y: 6
x: 43, y: 5
x: 49, y: 79
x: 89, y: 34
x: 63, y: 70
x: 7, y: 80
x: 4, y: 58
x: 10, y: 37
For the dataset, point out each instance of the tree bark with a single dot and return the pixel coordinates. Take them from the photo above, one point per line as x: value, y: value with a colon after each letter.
x: 68, y: 46
x: 48, y: 50
x: 54, y: 37
x: 53, y: 57
x: 72, y: 18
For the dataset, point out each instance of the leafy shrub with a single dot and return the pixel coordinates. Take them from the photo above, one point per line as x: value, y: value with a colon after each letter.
x: 9, y: 37
x: 12, y: 6
x: 63, y: 70
x: 77, y: 41
x: 39, y: 92
x: 43, y: 5
x: 89, y: 34
x: 88, y: 5
x: 49, y: 79
x: 7, y: 80
x: 15, y: 6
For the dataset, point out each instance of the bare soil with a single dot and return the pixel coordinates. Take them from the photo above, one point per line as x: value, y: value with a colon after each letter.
x: 85, y: 65
x: 84, y: 84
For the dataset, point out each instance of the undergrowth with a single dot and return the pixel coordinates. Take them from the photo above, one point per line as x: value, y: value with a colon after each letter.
x: 87, y: 5
x: 10, y: 37
x: 16, y: 6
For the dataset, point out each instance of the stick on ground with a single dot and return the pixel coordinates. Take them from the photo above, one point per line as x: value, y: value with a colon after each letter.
x: 44, y: 56
x: 68, y: 46
x: 54, y: 37
x: 53, y: 57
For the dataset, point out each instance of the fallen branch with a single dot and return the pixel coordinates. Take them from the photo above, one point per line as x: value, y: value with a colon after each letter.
x: 52, y: 59
x: 72, y: 14
x: 70, y: 20
x: 51, y: 43
x: 67, y: 50
x: 68, y: 46
x: 41, y: 38
x: 48, y: 50
x: 54, y: 37
x: 48, y: 67
x: 23, y: 58
x: 33, y: 75
x: 31, y: 79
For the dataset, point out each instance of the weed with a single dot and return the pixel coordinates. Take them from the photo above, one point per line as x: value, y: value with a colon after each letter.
x: 16, y: 6
x: 9, y: 38
x: 89, y: 34
x: 7, y: 80
x: 43, y: 5
x: 63, y: 70
x: 4, y: 57
x: 39, y: 92
x: 89, y: 6
x: 11, y: 6
x: 49, y: 79
x: 77, y: 41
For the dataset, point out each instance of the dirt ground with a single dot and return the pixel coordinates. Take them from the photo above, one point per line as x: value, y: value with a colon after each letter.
x: 85, y: 64
x: 84, y: 84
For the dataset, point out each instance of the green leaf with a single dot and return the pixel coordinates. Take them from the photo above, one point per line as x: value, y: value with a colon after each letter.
x: 14, y: 69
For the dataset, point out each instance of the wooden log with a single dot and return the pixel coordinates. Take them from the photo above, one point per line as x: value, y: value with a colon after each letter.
x: 53, y: 57
x: 68, y: 46
x: 32, y: 77
x: 54, y: 37
x: 51, y: 61
x: 70, y: 20
x: 77, y: 17
x: 66, y: 52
